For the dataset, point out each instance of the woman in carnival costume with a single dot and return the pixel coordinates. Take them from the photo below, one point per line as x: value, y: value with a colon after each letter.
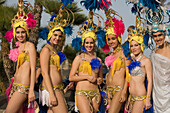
x: 160, y: 56
x: 87, y: 67
x: 51, y: 89
x: 140, y: 69
x: 115, y: 79
x: 22, y: 87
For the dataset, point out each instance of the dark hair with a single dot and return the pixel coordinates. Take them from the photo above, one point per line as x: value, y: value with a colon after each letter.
x: 58, y: 30
x: 130, y: 28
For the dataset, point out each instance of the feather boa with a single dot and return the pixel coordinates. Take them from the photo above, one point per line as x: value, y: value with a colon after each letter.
x: 77, y: 43
x: 62, y: 57
x: 30, y: 21
x: 95, y: 63
x: 133, y: 64
x: 109, y: 61
x: 119, y: 26
x: 44, y: 33
x: 14, y: 54
x: 9, y: 35
x: 91, y: 4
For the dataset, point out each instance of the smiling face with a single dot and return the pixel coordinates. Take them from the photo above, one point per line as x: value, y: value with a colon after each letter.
x: 21, y: 34
x: 159, y: 38
x: 89, y: 44
x: 135, y: 48
x: 112, y: 41
x: 56, y: 37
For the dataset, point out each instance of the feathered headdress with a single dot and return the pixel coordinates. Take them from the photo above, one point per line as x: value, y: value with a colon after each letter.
x: 89, y: 29
x: 138, y: 34
x: 113, y: 26
x: 59, y: 22
x: 22, y: 19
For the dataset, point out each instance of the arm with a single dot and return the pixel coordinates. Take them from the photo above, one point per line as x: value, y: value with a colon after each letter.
x: 32, y: 54
x: 100, y: 77
x: 148, y: 69
x: 124, y: 91
x: 38, y: 72
x: 74, y: 68
x: 44, y: 62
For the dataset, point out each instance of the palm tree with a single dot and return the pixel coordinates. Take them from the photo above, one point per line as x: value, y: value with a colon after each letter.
x: 52, y: 7
x: 6, y: 14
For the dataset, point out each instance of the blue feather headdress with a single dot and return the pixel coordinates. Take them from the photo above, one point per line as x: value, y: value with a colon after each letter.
x: 89, y: 29
x: 90, y: 4
x: 57, y: 21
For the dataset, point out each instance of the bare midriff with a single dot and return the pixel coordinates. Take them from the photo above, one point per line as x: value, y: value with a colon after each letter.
x: 137, y: 86
x: 117, y: 79
x: 23, y: 74
x: 86, y: 85
x: 55, y: 76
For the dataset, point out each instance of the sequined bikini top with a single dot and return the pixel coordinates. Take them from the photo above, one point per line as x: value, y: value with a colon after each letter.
x: 54, y: 58
x: 22, y: 57
x: 85, y: 67
x: 138, y: 71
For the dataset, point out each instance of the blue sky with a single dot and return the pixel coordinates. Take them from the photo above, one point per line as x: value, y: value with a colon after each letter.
x: 120, y: 6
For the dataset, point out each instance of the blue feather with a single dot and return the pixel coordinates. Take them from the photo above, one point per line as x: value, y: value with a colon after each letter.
x: 66, y: 2
x: 91, y: 4
x: 134, y: 9
x: 151, y: 4
x: 145, y: 40
x: 126, y: 49
x: 95, y: 63
x: 133, y: 64
x: 169, y: 32
x: 84, y: 49
x: 100, y: 38
x: 77, y: 43
x: 68, y: 30
x: 51, y: 19
x: 44, y: 33
x: 62, y: 57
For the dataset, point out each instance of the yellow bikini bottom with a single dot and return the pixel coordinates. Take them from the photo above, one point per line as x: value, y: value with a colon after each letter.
x: 113, y: 90
x: 90, y: 94
x: 55, y: 87
x: 18, y: 87
x: 136, y: 98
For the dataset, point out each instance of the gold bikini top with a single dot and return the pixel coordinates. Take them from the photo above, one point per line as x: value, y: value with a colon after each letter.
x: 117, y: 65
x: 54, y: 58
x: 22, y: 57
x: 85, y: 67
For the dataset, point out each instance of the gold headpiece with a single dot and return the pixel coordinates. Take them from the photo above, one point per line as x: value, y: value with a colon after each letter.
x: 139, y: 30
x: 112, y: 25
x: 21, y: 17
x: 138, y: 33
x: 59, y: 22
x: 89, y: 29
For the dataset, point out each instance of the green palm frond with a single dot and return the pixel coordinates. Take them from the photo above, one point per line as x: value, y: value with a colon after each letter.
x: 53, y: 6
